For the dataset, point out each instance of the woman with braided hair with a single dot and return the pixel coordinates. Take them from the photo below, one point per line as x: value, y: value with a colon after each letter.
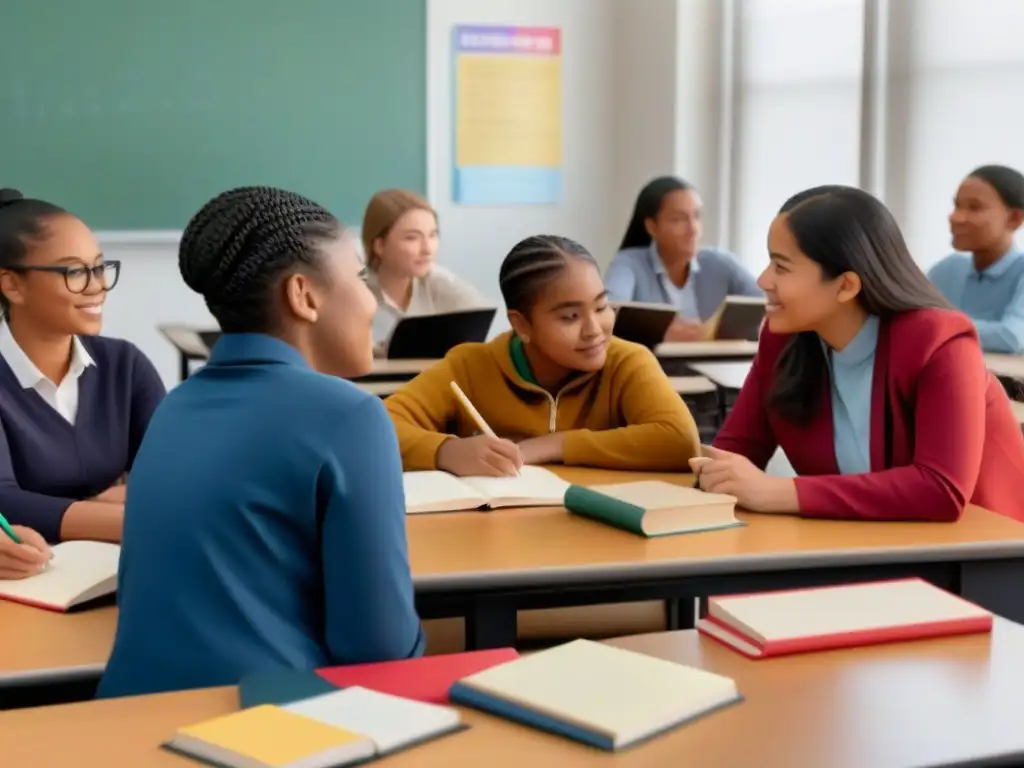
x: 265, y: 524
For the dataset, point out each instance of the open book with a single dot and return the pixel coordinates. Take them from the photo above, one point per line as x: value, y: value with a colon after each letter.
x: 435, y: 491
x: 333, y: 729
x: 642, y: 322
x: 595, y: 693
x: 653, y: 507
x: 823, y: 618
x: 737, y: 317
x: 79, y: 572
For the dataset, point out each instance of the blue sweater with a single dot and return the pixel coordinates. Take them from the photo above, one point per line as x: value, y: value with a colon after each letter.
x: 264, y: 528
x: 47, y: 463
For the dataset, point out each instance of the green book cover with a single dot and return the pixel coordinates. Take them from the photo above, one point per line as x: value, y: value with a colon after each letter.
x: 593, y: 504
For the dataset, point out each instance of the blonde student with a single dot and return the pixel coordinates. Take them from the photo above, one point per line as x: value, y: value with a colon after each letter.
x: 558, y: 388
x: 400, y: 240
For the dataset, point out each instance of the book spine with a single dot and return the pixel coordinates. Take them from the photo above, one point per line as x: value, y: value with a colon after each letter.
x: 468, y: 696
x: 586, y: 502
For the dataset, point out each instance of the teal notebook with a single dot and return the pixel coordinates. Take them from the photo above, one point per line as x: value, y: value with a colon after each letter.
x: 653, y: 507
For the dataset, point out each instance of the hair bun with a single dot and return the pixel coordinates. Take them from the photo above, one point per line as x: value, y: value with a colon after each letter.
x: 8, y: 196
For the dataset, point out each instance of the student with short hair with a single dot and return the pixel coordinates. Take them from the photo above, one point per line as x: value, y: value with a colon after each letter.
x: 661, y: 260
x: 558, y: 388
x: 74, y: 405
x: 400, y: 240
x: 872, y: 384
x: 266, y: 516
x: 986, y: 279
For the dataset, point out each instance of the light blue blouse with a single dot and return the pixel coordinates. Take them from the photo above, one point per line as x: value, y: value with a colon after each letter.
x: 850, y: 372
x: 992, y: 298
x: 639, y: 274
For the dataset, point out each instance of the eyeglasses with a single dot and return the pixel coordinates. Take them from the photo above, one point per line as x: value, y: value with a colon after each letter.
x: 78, y: 278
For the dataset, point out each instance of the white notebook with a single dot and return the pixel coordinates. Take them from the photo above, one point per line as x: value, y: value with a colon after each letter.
x: 850, y: 615
x: 79, y: 572
x: 435, y: 491
x: 595, y: 693
x: 392, y: 722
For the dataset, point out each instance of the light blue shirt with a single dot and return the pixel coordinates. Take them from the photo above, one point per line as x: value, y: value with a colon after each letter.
x: 992, y: 298
x: 850, y: 372
x: 639, y: 274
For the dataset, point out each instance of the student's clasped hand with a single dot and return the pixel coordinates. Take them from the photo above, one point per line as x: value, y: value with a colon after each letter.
x: 720, y: 471
x: 18, y: 561
x: 481, y: 455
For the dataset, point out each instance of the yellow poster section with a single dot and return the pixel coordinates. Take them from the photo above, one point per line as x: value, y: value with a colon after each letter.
x: 509, y: 111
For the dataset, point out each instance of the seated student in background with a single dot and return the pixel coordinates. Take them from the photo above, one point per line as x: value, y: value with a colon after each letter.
x: 266, y: 517
x: 870, y: 382
x: 24, y: 559
x: 73, y: 405
x: 558, y: 388
x: 400, y: 238
x: 986, y: 280
x: 661, y: 261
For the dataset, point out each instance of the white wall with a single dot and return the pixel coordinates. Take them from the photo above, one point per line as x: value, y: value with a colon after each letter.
x: 630, y: 114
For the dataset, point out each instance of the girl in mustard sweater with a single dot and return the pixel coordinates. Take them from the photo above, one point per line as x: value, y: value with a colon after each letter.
x: 558, y: 389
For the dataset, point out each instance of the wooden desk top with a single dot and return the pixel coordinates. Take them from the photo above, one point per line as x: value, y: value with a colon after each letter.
x: 38, y: 645
x: 548, y: 546
x: 1010, y: 366
x: 706, y: 349
x: 925, y: 703
x: 726, y: 375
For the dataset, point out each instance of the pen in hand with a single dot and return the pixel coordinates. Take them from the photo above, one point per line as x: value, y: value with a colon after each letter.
x: 474, y: 414
x: 8, y: 530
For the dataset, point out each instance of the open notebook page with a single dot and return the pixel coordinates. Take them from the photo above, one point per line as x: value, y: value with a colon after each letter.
x: 391, y: 721
x: 623, y: 694
x: 534, y: 485
x: 836, y: 610
x: 80, y: 570
x: 433, y: 491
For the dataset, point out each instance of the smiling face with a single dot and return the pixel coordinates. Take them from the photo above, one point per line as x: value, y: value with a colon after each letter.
x: 410, y: 245
x: 570, y: 324
x: 38, y: 291
x: 800, y: 296
x: 980, y: 220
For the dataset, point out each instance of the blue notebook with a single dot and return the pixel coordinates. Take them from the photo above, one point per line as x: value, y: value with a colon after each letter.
x: 597, y: 694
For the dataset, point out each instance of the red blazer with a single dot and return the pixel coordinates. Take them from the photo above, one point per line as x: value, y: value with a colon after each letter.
x: 943, y: 432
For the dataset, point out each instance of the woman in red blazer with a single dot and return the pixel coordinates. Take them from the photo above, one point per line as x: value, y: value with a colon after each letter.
x: 875, y: 388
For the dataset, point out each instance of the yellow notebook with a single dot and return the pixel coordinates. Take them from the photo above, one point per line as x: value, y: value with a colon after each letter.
x: 333, y: 729
x: 271, y: 737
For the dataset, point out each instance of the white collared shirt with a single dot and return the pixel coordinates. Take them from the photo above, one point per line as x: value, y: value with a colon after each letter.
x: 62, y: 397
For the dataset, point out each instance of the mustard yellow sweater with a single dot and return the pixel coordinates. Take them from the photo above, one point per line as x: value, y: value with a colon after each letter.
x: 625, y: 416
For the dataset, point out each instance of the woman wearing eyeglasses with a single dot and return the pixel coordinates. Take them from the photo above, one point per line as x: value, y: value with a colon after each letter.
x: 73, y: 405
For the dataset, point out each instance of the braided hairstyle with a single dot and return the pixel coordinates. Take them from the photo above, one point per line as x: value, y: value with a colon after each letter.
x: 239, y: 245
x: 22, y: 220
x: 532, y: 264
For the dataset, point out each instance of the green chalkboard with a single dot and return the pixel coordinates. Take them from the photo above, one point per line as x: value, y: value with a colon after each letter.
x: 132, y: 113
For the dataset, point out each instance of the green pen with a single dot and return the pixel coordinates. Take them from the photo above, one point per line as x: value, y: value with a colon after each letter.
x: 8, y: 530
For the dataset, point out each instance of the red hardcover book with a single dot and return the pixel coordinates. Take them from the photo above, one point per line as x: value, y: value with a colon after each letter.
x: 770, y: 624
x: 424, y: 679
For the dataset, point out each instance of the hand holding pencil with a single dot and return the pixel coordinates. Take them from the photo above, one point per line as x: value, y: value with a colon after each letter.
x: 485, y: 454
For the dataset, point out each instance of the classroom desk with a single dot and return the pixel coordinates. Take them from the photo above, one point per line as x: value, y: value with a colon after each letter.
x: 728, y: 379
x: 486, y: 566
x: 1006, y: 366
x: 38, y: 646
x: 952, y: 701
x: 676, y: 356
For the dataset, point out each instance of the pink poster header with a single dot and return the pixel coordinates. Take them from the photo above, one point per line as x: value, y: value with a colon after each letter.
x: 544, y: 41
